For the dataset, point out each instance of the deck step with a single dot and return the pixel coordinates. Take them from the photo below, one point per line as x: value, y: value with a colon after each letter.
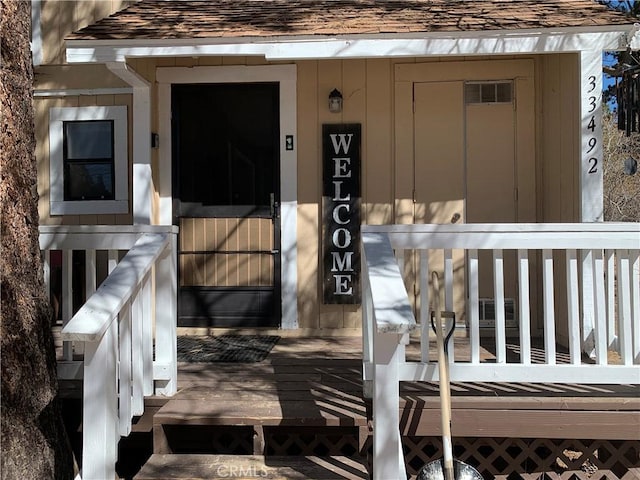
x: 212, y: 467
x: 252, y: 411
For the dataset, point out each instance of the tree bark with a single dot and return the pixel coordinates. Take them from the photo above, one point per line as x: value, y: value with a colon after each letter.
x: 33, y: 439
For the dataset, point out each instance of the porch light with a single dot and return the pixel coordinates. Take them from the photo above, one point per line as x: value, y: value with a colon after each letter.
x: 335, y: 101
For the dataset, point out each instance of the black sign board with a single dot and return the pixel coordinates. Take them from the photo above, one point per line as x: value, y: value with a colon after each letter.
x: 341, y: 199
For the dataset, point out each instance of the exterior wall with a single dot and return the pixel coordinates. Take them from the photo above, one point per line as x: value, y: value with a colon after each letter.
x: 371, y: 98
x: 59, y: 18
x: 42, y: 107
x: 558, y: 139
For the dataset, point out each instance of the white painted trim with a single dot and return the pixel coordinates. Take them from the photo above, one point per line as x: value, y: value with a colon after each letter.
x: 82, y: 91
x: 591, y: 178
x: 286, y: 76
x: 360, y: 46
x: 36, y: 32
x: 120, y: 204
x: 141, y: 170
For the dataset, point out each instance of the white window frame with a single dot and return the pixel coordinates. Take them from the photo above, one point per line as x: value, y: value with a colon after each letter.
x: 120, y: 203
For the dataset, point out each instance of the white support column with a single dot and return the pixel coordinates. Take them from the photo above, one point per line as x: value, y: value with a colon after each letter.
x: 142, y: 179
x: 591, y: 178
x: 388, y: 459
x: 166, y: 319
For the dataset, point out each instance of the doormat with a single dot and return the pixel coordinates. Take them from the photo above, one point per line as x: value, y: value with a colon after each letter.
x: 225, y: 348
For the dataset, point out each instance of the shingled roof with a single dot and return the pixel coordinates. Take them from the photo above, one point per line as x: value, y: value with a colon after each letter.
x: 188, y: 19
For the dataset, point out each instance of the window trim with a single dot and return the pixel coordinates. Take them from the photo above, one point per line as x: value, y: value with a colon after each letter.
x: 120, y: 203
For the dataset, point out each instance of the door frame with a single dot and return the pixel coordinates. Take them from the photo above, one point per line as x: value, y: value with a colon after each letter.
x: 285, y: 76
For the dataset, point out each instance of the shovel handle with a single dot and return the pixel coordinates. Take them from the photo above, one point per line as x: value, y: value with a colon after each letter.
x: 445, y: 389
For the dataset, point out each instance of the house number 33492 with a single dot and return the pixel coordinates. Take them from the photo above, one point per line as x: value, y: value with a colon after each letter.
x: 592, y: 141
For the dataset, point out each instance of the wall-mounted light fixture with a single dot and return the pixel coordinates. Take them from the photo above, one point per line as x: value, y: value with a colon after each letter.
x: 335, y: 101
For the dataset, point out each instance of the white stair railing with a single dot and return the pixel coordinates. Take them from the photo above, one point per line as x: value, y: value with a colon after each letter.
x: 595, y: 312
x: 115, y: 331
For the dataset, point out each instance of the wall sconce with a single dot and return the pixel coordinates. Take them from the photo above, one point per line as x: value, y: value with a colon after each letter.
x: 335, y: 101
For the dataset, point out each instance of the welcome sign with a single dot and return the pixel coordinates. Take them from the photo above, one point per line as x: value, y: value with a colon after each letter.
x: 341, y: 200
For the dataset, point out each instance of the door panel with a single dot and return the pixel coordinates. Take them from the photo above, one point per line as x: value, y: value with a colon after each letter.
x: 439, y: 169
x: 490, y: 163
x: 226, y: 169
x: 490, y: 146
x: 231, y: 252
x: 439, y: 152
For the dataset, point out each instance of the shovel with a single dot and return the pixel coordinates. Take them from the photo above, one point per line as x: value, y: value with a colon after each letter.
x: 447, y: 468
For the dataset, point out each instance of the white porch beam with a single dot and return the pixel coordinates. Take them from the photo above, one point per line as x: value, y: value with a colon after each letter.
x: 396, y: 45
x: 142, y: 178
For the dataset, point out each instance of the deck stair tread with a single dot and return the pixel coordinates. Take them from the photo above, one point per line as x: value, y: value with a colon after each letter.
x: 252, y: 408
x: 211, y: 467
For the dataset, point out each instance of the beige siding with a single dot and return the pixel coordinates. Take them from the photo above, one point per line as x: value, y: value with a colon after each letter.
x: 42, y: 107
x: 378, y: 93
x: 558, y: 124
x: 61, y: 17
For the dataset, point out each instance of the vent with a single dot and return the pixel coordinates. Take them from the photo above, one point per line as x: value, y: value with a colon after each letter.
x: 488, y: 92
x: 487, y: 308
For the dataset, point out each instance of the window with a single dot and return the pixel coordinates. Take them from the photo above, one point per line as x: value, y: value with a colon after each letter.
x: 488, y: 92
x: 88, y: 160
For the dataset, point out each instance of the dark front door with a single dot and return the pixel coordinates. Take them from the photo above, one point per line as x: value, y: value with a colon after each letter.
x: 226, y: 168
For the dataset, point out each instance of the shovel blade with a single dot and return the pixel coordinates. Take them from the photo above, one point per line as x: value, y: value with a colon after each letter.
x: 435, y: 471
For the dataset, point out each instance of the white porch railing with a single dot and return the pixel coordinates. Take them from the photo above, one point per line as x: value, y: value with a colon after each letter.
x: 597, y: 264
x: 126, y: 329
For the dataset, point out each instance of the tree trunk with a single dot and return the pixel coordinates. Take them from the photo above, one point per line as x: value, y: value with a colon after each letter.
x: 33, y: 439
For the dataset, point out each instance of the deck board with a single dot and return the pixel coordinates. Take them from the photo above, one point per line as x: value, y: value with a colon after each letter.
x: 211, y: 467
x: 317, y: 382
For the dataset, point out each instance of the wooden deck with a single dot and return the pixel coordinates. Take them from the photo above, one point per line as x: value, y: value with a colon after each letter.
x: 301, y: 414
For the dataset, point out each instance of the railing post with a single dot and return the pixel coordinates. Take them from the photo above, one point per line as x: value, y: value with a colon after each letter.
x: 166, y: 319
x: 388, y: 458
x: 100, y: 408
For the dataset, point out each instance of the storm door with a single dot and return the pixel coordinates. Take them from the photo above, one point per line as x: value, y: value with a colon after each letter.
x: 225, y: 148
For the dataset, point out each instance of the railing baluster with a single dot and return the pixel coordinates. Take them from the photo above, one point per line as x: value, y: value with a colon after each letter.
x: 523, y: 307
x: 67, y: 299
x: 549, y: 313
x: 588, y: 304
x: 425, y: 307
x: 448, y: 295
x: 498, y: 292
x: 573, y: 307
x: 610, y: 274
x: 46, y: 270
x: 125, y: 375
x: 634, y: 272
x: 625, y: 335
x: 368, y: 327
x: 147, y: 336
x: 474, y: 306
x: 113, y: 260
x: 137, y: 369
x: 600, y: 308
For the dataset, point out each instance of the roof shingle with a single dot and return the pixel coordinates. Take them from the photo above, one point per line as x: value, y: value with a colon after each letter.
x: 186, y: 19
